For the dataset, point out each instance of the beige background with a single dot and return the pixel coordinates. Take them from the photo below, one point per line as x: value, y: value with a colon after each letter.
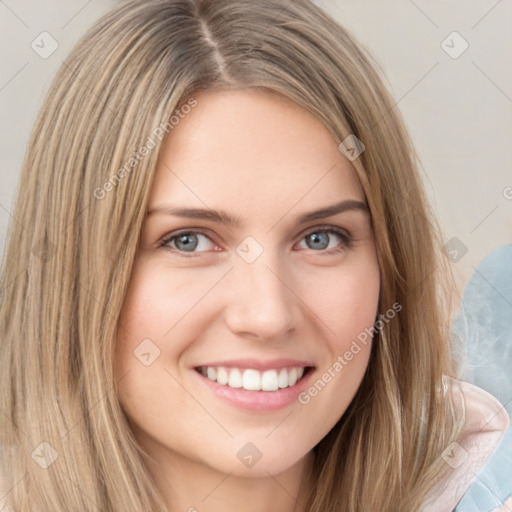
x: 458, y: 110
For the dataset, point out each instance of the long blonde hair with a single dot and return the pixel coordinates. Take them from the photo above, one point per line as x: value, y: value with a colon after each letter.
x: 81, y: 202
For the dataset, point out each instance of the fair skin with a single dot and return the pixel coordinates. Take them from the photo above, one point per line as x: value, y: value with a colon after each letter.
x: 282, y: 299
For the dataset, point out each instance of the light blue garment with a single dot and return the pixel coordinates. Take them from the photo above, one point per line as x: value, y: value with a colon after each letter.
x: 484, y: 322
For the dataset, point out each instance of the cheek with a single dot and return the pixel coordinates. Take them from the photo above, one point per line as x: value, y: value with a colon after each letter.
x: 347, y: 303
x: 154, y: 331
x: 157, y: 302
x: 347, y: 300
x: 140, y: 349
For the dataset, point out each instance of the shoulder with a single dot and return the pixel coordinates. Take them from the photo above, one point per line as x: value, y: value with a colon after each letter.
x: 486, y: 422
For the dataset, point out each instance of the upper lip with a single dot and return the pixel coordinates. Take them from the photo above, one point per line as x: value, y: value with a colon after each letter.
x: 258, y: 364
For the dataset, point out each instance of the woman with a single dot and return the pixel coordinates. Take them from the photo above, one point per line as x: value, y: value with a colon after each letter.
x: 222, y: 290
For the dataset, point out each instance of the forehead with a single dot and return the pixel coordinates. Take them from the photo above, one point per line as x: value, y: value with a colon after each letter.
x: 252, y: 149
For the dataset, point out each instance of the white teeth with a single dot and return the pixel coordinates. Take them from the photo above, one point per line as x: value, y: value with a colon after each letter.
x: 235, y: 378
x: 282, y: 380
x: 253, y: 380
x: 269, y: 381
x: 222, y: 376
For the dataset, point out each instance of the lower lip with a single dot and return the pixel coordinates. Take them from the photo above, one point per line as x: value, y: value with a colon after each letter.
x: 259, y: 401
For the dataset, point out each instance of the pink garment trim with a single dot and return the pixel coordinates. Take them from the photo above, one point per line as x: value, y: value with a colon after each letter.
x: 486, y: 424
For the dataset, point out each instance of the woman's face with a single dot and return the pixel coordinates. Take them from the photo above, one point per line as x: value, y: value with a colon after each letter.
x: 238, y: 279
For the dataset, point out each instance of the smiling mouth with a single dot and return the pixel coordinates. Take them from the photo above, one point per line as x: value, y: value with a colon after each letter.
x: 254, y: 380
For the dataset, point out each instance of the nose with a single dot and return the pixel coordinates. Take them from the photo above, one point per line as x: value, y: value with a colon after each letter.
x: 262, y: 301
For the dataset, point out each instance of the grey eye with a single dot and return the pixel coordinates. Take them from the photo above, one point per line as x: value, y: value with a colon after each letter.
x: 318, y: 240
x: 189, y: 242
x: 186, y: 242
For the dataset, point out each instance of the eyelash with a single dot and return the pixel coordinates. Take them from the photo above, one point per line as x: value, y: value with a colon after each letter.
x: 345, y: 237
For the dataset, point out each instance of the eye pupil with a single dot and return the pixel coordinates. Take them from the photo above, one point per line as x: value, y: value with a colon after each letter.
x: 319, y: 240
x: 183, y: 242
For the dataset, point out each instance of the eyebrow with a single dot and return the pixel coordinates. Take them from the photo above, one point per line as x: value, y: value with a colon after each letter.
x: 231, y: 221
